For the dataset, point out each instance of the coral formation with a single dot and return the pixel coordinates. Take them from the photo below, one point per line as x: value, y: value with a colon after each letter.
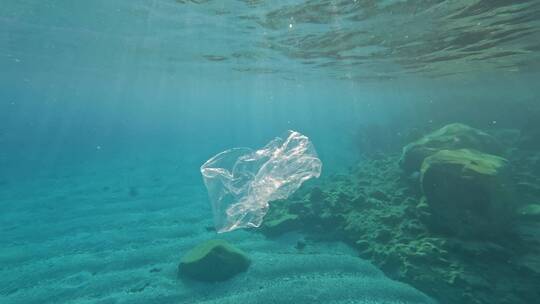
x: 388, y: 217
x: 214, y: 260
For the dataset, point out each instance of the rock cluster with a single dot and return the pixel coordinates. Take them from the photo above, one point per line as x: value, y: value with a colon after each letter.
x: 439, y: 217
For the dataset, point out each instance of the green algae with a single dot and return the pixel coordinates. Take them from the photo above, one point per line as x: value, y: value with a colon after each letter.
x: 470, y: 161
x: 450, y: 137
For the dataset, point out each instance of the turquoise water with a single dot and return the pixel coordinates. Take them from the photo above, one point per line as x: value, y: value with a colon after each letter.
x: 109, y: 108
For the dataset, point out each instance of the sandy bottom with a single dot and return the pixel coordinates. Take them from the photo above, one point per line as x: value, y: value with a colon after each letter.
x: 115, y: 234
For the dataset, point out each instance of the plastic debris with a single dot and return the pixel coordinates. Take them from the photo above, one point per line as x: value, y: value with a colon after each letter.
x: 241, y: 182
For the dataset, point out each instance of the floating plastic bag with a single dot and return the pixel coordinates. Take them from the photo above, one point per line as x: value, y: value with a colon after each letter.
x: 241, y: 182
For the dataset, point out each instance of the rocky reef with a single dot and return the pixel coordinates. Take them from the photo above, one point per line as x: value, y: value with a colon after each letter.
x: 456, y: 215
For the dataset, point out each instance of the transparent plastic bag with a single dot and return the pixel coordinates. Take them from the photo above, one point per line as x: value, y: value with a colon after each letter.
x: 241, y: 182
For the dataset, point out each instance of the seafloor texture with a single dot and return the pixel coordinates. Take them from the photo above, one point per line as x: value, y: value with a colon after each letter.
x: 116, y: 233
x: 461, y: 225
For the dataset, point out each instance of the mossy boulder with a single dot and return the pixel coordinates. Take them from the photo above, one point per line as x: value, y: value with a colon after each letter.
x: 466, y: 192
x: 450, y: 137
x: 214, y: 260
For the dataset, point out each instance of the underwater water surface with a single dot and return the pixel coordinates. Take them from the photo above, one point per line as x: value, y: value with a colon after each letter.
x: 425, y: 116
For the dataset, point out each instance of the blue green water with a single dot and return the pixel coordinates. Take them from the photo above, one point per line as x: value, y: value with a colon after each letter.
x: 109, y: 108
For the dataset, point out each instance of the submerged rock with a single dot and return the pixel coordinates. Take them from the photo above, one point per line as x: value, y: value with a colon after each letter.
x: 214, y: 260
x: 449, y: 137
x: 466, y: 192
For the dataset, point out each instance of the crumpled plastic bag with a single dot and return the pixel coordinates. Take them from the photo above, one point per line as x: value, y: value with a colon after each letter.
x: 241, y: 182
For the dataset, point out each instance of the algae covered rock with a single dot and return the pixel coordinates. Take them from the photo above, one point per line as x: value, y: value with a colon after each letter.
x: 214, y: 260
x: 466, y: 192
x: 449, y: 137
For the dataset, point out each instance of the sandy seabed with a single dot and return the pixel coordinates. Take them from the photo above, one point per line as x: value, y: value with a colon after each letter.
x: 115, y: 233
